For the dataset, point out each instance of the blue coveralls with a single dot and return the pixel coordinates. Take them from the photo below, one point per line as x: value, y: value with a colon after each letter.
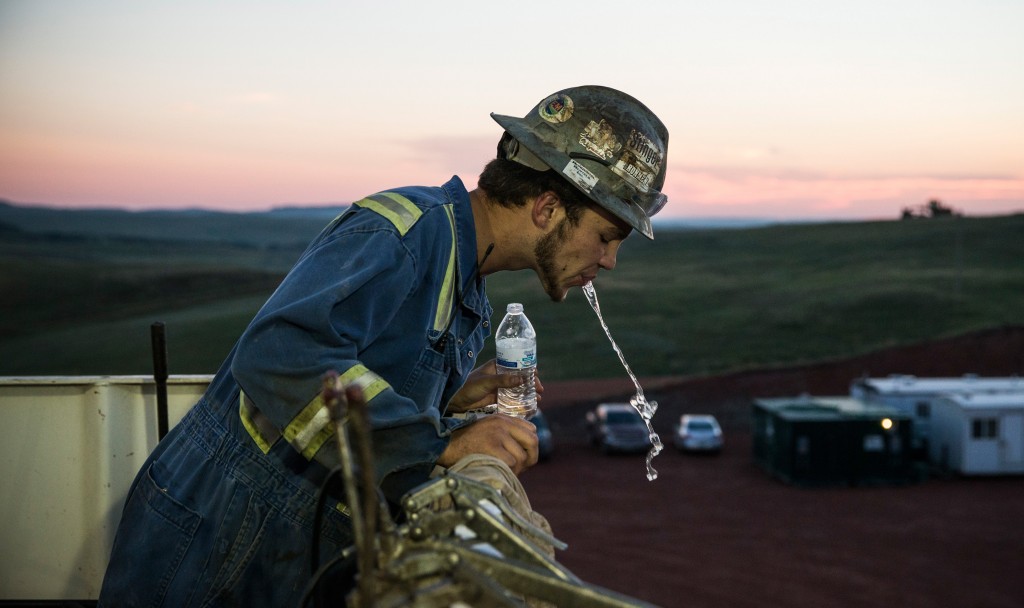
x: 221, y: 513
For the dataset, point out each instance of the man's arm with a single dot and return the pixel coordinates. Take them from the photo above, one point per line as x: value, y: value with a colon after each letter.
x: 336, y: 301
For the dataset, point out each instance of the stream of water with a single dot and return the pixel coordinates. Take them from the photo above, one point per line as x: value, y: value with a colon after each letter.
x: 638, y: 401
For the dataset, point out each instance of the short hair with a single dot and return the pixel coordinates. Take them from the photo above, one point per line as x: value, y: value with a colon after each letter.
x: 511, y: 184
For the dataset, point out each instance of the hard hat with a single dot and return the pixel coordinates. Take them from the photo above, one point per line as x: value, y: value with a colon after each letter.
x: 606, y: 143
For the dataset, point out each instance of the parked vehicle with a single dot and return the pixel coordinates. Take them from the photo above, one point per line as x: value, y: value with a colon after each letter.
x: 698, y: 433
x: 617, y: 427
x: 546, y: 444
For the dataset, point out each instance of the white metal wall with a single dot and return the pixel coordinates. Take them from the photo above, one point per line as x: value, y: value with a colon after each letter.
x: 71, y: 449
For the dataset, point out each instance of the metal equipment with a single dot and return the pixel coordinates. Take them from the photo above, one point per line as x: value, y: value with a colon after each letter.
x: 458, y: 544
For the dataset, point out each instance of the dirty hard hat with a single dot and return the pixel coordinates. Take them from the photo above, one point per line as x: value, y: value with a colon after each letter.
x: 606, y: 143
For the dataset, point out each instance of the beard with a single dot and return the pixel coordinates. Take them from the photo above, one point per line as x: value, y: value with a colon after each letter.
x: 545, y: 251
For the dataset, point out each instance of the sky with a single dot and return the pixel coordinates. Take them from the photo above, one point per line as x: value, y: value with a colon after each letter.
x: 786, y: 109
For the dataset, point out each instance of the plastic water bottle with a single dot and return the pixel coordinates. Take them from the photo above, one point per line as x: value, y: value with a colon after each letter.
x: 516, y: 346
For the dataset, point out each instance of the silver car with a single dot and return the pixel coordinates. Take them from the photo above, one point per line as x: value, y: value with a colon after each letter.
x: 698, y: 433
x: 618, y: 427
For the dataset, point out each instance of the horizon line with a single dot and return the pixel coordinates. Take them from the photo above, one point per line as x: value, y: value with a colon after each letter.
x: 325, y: 206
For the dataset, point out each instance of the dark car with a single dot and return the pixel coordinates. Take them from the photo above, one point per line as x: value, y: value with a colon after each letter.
x: 545, y: 443
x: 618, y: 427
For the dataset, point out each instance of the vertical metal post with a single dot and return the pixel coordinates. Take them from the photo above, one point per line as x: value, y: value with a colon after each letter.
x: 156, y: 331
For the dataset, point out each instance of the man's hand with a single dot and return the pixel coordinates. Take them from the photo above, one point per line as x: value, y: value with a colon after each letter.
x: 481, y: 388
x: 511, y: 440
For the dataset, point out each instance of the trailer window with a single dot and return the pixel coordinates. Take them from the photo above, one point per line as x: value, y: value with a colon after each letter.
x: 924, y: 409
x: 984, y: 428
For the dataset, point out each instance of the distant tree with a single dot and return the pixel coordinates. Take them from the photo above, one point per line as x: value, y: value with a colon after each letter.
x: 933, y: 209
x: 937, y: 209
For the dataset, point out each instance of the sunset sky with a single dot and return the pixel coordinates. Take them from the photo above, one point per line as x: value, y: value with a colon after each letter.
x: 784, y: 109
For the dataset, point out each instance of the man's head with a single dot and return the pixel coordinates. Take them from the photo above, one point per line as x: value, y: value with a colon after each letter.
x: 604, y: 143
x: 511, y: 184
x: 575, y: 238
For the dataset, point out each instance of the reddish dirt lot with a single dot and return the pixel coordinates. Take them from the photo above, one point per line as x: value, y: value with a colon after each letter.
x: 719, y: 531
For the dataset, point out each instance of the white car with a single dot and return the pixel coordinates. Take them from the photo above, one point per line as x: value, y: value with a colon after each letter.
x: 698, y: 433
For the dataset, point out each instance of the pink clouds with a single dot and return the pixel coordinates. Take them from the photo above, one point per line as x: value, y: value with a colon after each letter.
x: 84, y: 171
x: 722, y: 191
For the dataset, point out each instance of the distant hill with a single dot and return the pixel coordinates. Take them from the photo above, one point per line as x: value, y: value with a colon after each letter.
x: 79, y: 288
x: 321, y: 214
x: 729, y: 223
x: 277, y: 227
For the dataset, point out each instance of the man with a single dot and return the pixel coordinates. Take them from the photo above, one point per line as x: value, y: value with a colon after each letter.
x: 391, y: 297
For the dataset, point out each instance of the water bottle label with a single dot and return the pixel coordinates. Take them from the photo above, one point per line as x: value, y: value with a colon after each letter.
x: 518, y: 358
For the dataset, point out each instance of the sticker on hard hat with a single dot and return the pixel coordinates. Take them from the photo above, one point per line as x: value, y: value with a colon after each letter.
x: 600, y: 140
x: 640, y: 163
x: 580, y: 175
x: 557, y: 108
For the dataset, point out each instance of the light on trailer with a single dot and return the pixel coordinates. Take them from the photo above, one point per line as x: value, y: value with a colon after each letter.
x: 887, y: 423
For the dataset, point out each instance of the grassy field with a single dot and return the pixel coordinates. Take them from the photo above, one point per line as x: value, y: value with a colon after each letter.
x: 711, y: 301
x: 78, y: 296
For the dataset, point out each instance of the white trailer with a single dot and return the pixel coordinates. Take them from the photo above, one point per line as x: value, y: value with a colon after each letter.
x: 978, y: 434
x: 917, y: 396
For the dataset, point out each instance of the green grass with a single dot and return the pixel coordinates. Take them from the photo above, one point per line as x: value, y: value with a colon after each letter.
x: 712, y: 301
x: 689, y: 302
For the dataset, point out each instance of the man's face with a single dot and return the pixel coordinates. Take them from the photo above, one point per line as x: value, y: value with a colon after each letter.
x: 570, y: 256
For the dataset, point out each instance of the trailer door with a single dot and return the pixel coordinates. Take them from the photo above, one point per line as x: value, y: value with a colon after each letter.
x: 1012, y: 440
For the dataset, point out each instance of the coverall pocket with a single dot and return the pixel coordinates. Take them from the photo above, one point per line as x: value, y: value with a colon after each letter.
x: 428, y: 379
x: 156, y: 531
x: 237, y: 542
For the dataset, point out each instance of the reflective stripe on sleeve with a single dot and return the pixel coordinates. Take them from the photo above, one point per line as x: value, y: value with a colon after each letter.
x: 398, y: 210
x: 447, y: 295
x: 312, y: 427
x: 262, y: 436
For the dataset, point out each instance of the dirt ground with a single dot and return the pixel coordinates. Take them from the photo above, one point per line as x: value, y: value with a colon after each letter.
x: 714, y: 531
x: 718, y: 531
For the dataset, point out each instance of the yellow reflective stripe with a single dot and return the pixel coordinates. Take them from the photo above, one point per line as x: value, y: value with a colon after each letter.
x: 447, y: 295
x: 399, y: 210
x: 311, y: 428
x: 250, y: 426
x: 264, y: 445
x: 315, y: 433
x: 360, y: 376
